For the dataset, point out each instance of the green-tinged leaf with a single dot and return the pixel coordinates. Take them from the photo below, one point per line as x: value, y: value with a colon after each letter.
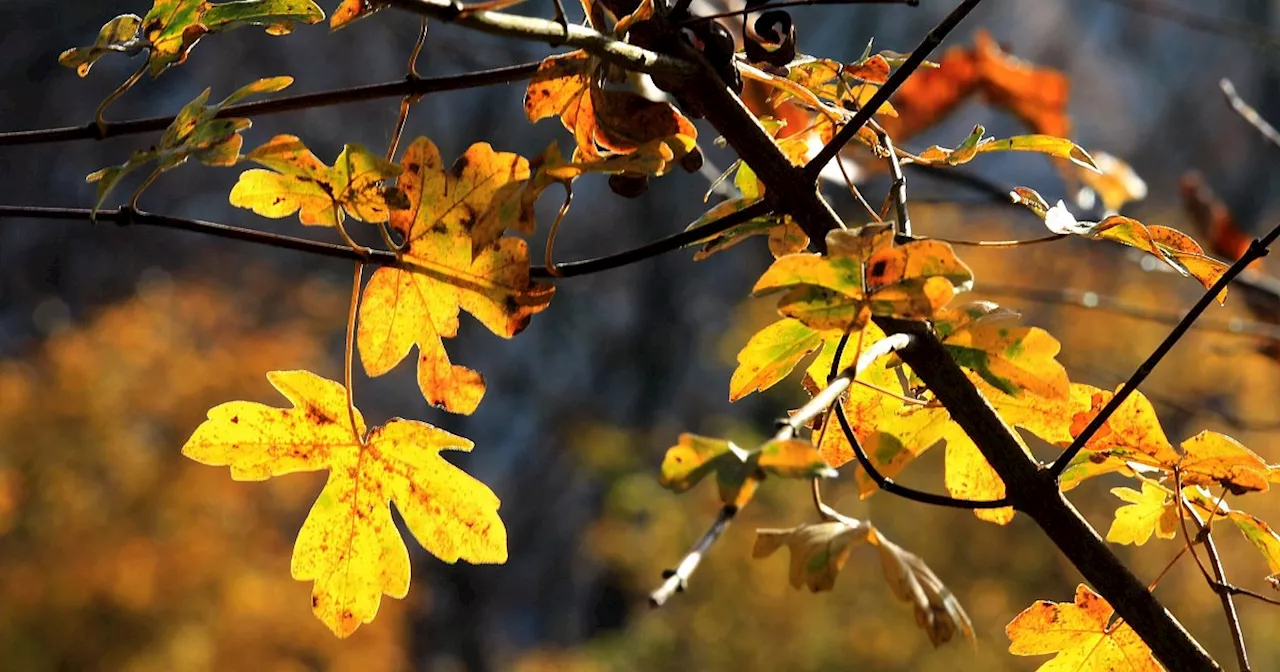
x: 172, y: 27
x: 1044, y: 144
x: 793, y: 458
x: 300, y: 182
x: 982, y: 337
x: 695, y: 457
x: 770, y: 355
x: 195, y: 132
x: 119, y: 34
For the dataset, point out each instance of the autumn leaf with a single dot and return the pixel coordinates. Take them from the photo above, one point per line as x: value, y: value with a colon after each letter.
x: 1080, y: 634
x: 977, y: 143
x: 770, y: 356
x: 172, y: 27
x: 349, y: 545
x: 937, y: 610
x: 738, y: 472
x: 195, y: 132
x: 864, y: 274
x: 1036, y: 95
x: 1176, y: 249
x: 1010, y: 357
x: 1210, y: 457
x: 1214, y: 220
x: 606, y: 123
x: 443, y: 272
x: 1130, y: 435
x: 351, y: 10
x: 1255, y: 530
x: 321, y: 195
x: 784, y: 233
x: 1153, y: 510
x: 818, y: 551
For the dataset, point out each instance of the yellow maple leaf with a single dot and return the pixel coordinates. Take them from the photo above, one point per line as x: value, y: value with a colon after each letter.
x: 1210, y: 457
x: 1011, y: 357
x: 1153, y: 510
x: 1081, y: 634
x: 770, y: 355
x: 321, y: 195
x: 349, y: 545
x: 445, y: 273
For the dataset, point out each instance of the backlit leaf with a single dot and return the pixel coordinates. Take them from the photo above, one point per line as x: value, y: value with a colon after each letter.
x: 696, y: 457
x: 1081, y: 636
x: 1114, y: 184
x: 1176, y: 249
x: 606, y: 123
x: 321, y: 195
x: 976, y: 144
x: 349, y: 545
x: 982, y: 337
x: 351, y: 10
x: 770, y: 355
x: 444, y: 273
x: 1153, y: 510
x: 866, y: 270
x: 937, y: 610
x: 195, y: 132
x: 1210, y: 457
x: 172, y: 27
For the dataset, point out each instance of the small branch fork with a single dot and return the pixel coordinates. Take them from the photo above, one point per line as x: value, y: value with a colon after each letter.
x: 677, y: 579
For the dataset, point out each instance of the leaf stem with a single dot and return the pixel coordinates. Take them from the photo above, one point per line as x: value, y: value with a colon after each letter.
x: 349, y: 350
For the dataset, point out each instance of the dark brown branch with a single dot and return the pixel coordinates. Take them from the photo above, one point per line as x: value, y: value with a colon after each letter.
x: 896, y: 80
x: 126, y: 216
x: 1257, y: 250
x: 1034, y: 492
x: 411, y: 86
x: 1228, y: 603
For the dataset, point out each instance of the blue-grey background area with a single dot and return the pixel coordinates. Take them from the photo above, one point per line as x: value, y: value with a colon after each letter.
x: 629, y: 347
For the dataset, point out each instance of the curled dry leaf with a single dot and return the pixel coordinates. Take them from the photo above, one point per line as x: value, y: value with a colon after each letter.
x: 321, y: 195
x: 785, y: 235
x: 606, y: 123
x: 453, y: 261
x: 1176, y: 249
x: 349, y: 545
x: 819, y: 551
x: 1081, y: 635
x: 937, y: 610
x: 195, y: 132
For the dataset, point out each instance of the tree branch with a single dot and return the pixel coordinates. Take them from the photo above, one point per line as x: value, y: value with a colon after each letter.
x: 617, y: 52
x: 410, y: 86
x: 125, y: 216
x: 1034, y: 492
x: 864, y: 113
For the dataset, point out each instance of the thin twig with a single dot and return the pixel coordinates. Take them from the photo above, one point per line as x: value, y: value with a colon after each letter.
x: 1237, y: 30
x: 405, y: 87
x: 1075, y: 298
x: 348, y: 353
x: 514, y: 26
x: 1250, y: 115
x: 1256, y: 250
x: 126, y: 216
x: 1228, y: 603
x: 677, y: 579
x: 896, y: 80
x: 780, y: 4
x: 899, y: 188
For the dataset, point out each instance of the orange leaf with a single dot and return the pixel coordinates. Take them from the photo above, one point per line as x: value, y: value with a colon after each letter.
x: 444, y: 272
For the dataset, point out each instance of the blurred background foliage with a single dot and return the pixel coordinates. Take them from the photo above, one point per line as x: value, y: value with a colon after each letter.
x: 116, y: 553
